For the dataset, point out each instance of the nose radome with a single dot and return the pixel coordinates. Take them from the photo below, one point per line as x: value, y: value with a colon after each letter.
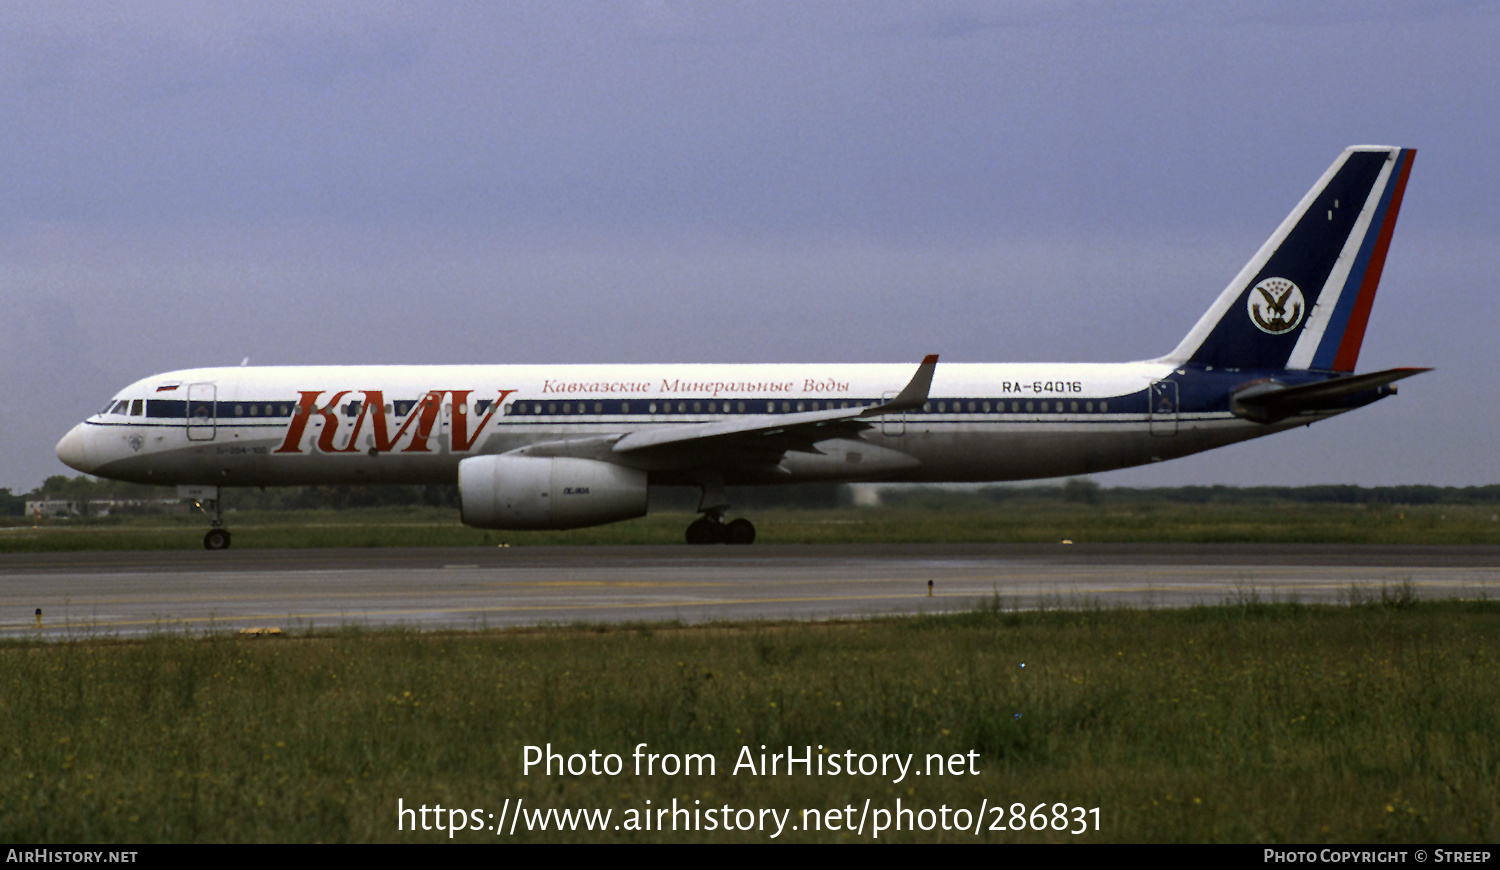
x: 73, y: 449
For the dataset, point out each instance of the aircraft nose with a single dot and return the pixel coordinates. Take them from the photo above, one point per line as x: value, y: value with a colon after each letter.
x: 73, y: 449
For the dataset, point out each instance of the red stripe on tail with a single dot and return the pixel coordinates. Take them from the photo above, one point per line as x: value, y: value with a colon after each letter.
x: 1354, y: 332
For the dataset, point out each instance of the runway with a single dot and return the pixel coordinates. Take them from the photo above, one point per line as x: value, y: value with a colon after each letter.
x: 127, y: 594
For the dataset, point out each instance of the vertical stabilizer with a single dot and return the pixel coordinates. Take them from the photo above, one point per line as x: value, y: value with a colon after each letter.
x: 1303, y: 301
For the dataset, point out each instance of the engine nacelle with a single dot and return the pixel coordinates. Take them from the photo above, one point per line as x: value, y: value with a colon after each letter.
x: 559, y: 492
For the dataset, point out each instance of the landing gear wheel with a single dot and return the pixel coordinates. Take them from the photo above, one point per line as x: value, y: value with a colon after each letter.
x: 740, y: 531
x: 216, y: 539
x: 705, y: 531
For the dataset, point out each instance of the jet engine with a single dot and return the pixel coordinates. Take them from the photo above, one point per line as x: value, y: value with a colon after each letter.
x: 558, y: 492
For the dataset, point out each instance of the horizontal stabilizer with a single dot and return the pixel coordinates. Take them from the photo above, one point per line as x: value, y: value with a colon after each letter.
x: 1268, y: 401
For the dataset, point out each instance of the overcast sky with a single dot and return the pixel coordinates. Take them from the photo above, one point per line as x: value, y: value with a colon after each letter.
x: 192, y: 183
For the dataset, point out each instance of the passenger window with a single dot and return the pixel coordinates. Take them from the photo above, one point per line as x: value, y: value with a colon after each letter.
x: 971, y: 407
x: 551, y: 407
x: 1089, y: 407
x: 254, y: 411
x: 942, y: 407
x: 742, y: 407
x: 1029, y: 407
x: 1073, y: 406
x: 682, y: 407
x: 598, y: 407
x: 786, y: 407
x: 567, y: 407
x: 927, y: 407
x: 1104, y: 407
x: 986, y: 407
x: 625, y: 407
x: 239, y: 410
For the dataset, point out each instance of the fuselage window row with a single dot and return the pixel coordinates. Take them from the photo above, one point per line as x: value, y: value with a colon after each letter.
x: 176, y: 408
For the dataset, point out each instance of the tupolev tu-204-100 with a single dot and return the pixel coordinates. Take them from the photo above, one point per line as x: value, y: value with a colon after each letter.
x: 566, y: 446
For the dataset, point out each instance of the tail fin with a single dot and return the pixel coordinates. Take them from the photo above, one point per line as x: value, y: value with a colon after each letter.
x: 1303, y: 301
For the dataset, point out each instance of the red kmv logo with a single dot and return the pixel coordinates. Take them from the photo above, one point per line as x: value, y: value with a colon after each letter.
x: 420, y: 425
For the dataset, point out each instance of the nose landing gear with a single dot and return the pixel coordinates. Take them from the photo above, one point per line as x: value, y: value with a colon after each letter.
x: 206, y: 498
x: 216, y: 539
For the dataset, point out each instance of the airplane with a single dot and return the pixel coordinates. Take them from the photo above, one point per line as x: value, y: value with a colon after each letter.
x: 568, y: 446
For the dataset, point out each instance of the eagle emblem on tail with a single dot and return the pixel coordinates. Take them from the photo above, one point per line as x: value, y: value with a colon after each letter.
x: 1276, y: 306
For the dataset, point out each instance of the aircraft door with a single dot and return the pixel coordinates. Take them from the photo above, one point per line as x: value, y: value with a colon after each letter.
x: 202, y: 418
x: 1163, y: 408
x: 892, y: 424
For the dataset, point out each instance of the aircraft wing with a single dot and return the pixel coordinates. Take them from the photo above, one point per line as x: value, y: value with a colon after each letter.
x: 782, y: 432
x: 760, y: 439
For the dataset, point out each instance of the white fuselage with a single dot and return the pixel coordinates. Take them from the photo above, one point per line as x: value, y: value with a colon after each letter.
x: 285, y: 425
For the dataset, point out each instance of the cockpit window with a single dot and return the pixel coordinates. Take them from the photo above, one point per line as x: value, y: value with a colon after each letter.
x: 119, y: 407
x: 137, y: 407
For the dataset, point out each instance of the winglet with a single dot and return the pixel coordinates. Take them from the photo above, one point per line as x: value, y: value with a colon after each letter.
x: 914, y: 395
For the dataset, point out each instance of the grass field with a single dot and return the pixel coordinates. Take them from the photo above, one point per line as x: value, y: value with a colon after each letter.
x: 1251, y: 722
x: 964, y: 520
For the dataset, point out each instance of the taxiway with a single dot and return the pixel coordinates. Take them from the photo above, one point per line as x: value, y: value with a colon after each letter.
x: 94, y: 594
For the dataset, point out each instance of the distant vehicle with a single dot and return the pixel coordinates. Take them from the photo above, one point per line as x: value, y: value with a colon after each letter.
x: 566, y: 446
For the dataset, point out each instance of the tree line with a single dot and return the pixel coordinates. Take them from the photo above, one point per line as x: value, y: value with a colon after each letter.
x: 84, y: 489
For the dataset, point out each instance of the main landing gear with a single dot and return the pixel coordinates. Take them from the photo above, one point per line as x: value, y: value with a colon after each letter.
x: 711, y: 527
x: 207, y: 500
